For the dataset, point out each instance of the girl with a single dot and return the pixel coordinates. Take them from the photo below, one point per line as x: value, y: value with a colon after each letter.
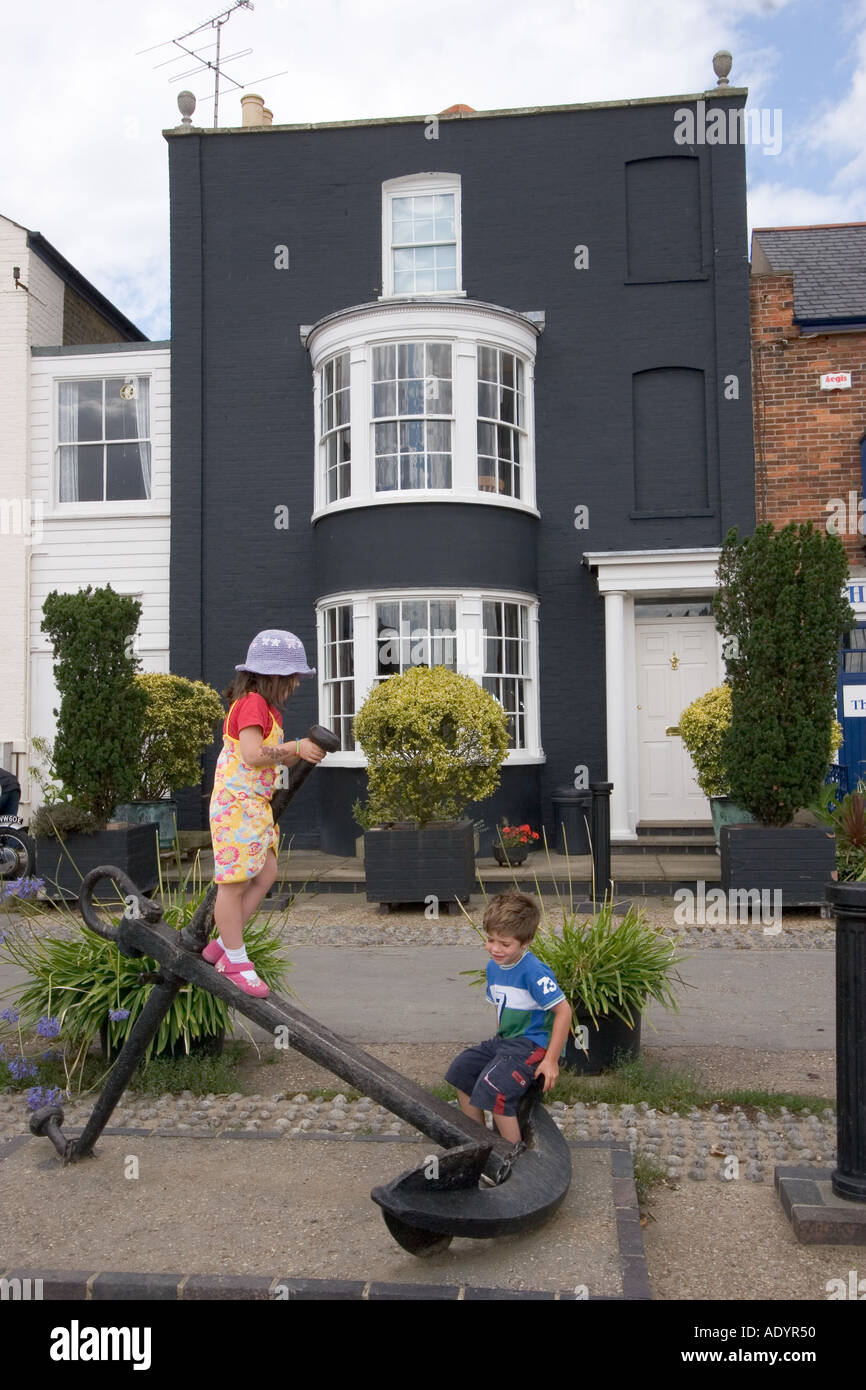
x: 244, y: 836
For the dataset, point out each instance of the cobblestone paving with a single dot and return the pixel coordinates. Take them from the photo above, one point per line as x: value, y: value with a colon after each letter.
x: 700, y: 1145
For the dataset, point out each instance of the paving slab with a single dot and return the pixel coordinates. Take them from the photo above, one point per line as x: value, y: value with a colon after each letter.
x: 274, y: 1210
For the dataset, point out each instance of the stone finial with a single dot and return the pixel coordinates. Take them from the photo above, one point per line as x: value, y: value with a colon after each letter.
x: 186, y: 106
x: 722, y: 66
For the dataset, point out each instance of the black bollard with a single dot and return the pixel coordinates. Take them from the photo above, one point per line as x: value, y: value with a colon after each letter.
x: 848, y: 901
x: 600, y: 836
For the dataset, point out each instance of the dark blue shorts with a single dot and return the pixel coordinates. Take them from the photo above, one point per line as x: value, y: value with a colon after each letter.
x: 496, y: 1073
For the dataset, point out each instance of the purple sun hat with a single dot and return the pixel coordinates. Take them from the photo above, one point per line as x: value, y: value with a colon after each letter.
x: 275, y: 652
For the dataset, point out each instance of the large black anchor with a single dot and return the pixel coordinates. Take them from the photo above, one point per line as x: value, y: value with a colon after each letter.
x: 423, y: 1208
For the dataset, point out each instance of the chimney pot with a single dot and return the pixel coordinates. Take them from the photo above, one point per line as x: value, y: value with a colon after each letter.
x: 252, y: 108
x: 267, y: 116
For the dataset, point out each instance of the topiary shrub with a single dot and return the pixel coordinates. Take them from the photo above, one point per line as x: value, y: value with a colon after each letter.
x: 434, y: 741
x: 180, y: 717
x: 781, y: 612
x: 703, y: 726
x: 100, y: 721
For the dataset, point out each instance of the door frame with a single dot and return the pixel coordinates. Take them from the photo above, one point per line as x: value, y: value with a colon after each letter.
x: 622, y: 577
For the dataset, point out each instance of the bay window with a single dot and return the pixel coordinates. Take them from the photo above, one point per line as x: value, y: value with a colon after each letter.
x: 367, y: 638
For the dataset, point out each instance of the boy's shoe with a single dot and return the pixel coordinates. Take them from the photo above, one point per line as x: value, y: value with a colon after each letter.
x: 213, y: 952
x: 234, y: 971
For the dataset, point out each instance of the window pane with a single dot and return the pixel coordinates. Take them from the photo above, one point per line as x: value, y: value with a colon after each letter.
x: 404, y: 261
x: 422, y: 205
x: 443, y: 405
x: 386, y: 439
x: 410, y: 360
x: 404, y: 282
x: 386, y: 474
x: 443, y: 229
x: 512, y: 628
x: 425, y: 281
x: 443, y: 205
x: 507, y: 364
x: 412, y: 471
x: 411, y: 436
x: 439, y: 436
x: 128, y: 472
x: 90, y: 410
x: 446, y: 257
x: 384, y: 363
x: 410, y: 397
x: 439, y: 359
x: 342, y: 400
x: 122, y: 412
x: 81, y: 473
x: 487, y: 400
x: 486, y: 364
x: 506, y: 406
x: 440, y: 470
x: 384, y: 399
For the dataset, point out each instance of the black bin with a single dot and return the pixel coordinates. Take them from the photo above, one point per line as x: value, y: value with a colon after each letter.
x: 571, y: 815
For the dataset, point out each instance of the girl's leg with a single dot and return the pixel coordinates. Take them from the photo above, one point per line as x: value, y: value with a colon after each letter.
x: 228, y: 914
x: 256, y: 888
x: 472, y: 1111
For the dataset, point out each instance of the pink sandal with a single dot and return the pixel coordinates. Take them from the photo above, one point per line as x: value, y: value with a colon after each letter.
x: 213, y: 952
x: 234, y: 971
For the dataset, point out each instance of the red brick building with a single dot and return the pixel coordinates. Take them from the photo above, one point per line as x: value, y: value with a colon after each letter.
x: 808, y: 322
x: 808, y: 327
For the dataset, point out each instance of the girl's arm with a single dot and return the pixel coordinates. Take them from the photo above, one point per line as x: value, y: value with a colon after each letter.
x: 255, y: 754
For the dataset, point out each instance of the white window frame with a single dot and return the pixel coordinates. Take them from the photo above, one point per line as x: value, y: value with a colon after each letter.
x: 470, y: 660
x: 411, y: 186
x: 103, y: 377
x: 144, y: 506
x: 467, y: 327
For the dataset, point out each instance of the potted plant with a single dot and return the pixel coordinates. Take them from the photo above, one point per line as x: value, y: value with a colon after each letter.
x: 98, y: 742
x: 179, y: 721
x: 515, y: 842
x: 781, y: 612
x: 434, y: 742
x: 703, y: 726
x: 607, y: 966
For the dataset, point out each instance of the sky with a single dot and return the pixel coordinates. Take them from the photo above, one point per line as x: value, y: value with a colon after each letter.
x: 83, y: 105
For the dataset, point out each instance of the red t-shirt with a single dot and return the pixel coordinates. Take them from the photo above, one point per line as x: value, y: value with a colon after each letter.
x: 248, y: 711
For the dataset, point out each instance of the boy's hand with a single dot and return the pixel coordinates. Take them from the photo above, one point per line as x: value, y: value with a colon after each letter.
x: 548, y: 1067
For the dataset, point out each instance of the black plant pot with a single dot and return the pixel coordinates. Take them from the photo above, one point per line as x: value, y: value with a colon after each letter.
x: 405, y: 864
x: 510, y: 857
x: 797, y: 861
x: 207, y: 1045
x: 612, y: 1042
x: 63, y: 863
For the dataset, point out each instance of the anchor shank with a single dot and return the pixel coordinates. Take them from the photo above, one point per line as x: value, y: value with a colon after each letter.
x: 434, y: 1117
x: 159, y: 1002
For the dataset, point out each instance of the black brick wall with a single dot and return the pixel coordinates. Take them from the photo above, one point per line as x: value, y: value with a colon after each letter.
x: 533, y: 187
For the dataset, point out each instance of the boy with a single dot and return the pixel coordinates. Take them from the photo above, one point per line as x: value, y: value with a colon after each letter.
x: 534, y: 1019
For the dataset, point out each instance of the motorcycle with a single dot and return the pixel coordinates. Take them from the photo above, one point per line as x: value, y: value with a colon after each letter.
x: 17, y: 850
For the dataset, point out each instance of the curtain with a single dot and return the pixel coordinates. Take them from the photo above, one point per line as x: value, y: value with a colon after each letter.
x: 142, y: 422
x: 68, y: 436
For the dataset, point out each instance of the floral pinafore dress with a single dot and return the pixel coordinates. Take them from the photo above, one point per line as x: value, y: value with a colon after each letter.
x: 241, y: 824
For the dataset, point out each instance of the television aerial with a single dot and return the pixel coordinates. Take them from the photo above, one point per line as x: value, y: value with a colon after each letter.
x: 216, y: 64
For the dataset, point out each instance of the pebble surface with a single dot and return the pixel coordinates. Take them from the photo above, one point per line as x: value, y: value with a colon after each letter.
x: 700, y: 1145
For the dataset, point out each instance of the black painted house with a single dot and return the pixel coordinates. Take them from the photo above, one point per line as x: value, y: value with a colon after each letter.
x: 473, y: 390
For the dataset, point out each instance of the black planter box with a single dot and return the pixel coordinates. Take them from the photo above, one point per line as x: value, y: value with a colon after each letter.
x: 63, y: 864
x: 611, y: 1042
x: 404, y: 864
x: 798, y: 860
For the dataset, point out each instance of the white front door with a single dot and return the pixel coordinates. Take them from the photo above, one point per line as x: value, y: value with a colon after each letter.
x: 677, y: 660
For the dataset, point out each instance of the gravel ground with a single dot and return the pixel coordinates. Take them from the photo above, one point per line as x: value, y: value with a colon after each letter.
x: 699, y: 1145
x: 347, y: 919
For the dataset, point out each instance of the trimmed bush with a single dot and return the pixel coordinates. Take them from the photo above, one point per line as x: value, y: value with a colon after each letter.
x: 100, y: 721
x: 703, y: 726
x: 434, y: 741
x: 781, y: 611
x: 180, y: 719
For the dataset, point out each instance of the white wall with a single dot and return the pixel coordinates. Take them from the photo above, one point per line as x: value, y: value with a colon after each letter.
x: 27, y: 316
x: 124, y: 544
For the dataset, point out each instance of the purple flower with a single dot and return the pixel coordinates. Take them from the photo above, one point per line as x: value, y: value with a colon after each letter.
x: 118, y: 1015
x: 52, y: 1055
x: 37, y: 1096
x: 47, y: 1027
x: 20, y: 1067
x: 10, y: 1015
x: 21, y: 888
